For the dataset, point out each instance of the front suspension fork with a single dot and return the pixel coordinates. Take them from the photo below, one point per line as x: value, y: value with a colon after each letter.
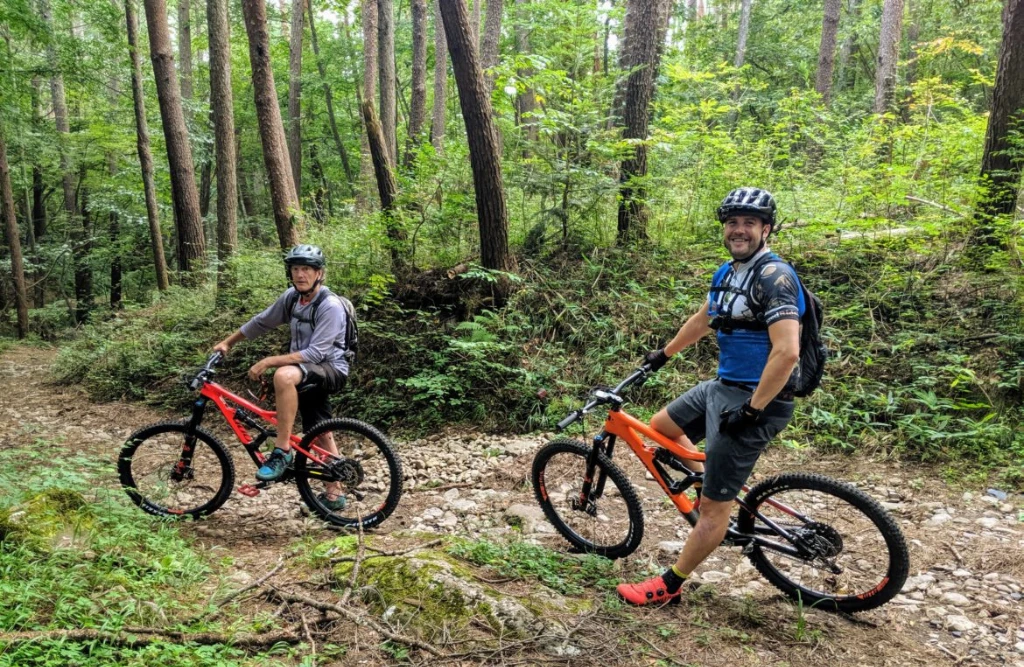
x: 183, y: 468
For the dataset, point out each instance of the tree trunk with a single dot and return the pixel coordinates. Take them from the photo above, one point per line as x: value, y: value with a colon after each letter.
x: 369, y: 74
x: 1002, y: 162
x: 13, y: 240
x: 482, y: 137
x: 185, y: 49
x: 849, y: 46
x: 387, y: 187
x: 440, y: 81
x: 142, y: 145
x: 492, y: 36
x: 741, y: 54
x: 386, y: 61
x: 283, y: 197
x: 641, y: 54
x: 475, y: 23
x: 80, y: 252
x: 188, y: 222
x: 888, y: 54
x: 827, y: 49
x: 222, y: 106
x: 418, y: 101
x: 295, y: 95
x: 38, y: 190
x: 526, y: 102
x: 338, y: 143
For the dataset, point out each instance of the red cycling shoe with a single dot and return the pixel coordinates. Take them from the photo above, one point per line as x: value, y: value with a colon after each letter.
x: 651, y: 591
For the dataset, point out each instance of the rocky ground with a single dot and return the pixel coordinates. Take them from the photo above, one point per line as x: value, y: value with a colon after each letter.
x: 961, y: 605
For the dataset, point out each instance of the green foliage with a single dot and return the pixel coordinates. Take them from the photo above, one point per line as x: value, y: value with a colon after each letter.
x: 567, y: 574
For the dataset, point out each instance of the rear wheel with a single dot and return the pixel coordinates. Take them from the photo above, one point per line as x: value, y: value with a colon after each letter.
x: 168, y: 472
x: 608, y: 521
x: 360, y: 485
x: 846, y: 552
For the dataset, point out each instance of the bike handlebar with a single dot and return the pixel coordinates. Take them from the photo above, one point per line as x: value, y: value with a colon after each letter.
x: 606, y: 396
x: 206, y: 371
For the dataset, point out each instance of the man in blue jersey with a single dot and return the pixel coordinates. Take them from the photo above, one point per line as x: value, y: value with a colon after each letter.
x: 754, y: 307
x: 316, y: 365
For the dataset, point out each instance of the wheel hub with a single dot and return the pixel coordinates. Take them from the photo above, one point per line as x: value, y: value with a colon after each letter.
x: 347, y: 471
x: 821, y: 540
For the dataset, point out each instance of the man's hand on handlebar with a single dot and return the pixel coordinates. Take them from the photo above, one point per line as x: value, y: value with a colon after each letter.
x: 656, y: 359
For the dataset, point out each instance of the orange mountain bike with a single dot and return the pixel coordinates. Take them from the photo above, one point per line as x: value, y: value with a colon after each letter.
x: 182, y: 469
x: 816, y: 539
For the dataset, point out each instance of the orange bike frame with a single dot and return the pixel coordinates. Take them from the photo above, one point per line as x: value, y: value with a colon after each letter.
x: 630, y: 429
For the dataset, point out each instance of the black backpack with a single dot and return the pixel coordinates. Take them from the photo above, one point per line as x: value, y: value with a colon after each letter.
x: 813, y: 354
x: 351, y: 325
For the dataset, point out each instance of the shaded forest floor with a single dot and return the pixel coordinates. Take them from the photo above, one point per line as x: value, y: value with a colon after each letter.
x: 961, y: 606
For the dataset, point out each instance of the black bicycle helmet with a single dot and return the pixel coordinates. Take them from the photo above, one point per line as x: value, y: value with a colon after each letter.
x: 305, y: 255
x: 753, y: 201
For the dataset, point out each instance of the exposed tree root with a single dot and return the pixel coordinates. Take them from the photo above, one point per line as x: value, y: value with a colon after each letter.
x: 137, y: 637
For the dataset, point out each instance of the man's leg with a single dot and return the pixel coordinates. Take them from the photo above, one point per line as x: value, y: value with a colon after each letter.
x: 706, y: 535
x: 665, y: 425
x: 286, y: 378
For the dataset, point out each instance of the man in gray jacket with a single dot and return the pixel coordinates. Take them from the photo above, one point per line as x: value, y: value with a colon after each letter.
x: 316, y: 365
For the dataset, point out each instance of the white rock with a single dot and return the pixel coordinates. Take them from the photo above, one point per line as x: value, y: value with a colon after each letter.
x: 451, y: 494
x: 670, y: 548
x: 987, y: 522
x: 959, y: 623
x: 938, y: 519
x: 463, y: 505
x: 713, y: 576
x: 920, y: 582
x: 956, y: 599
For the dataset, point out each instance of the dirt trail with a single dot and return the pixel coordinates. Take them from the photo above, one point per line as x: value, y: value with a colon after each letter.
x: 962, y: 604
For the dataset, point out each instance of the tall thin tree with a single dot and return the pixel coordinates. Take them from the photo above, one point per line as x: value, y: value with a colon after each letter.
x: 437, y: 122
x: 295, y: 95
x: 827, y: 49
x: 418, y: 98
x: 482, y: 135
x: 185, y: 49
x: 370, y: 30
x: 283, y: 197
x: 13, y: 239
x: 329, y: 96
x: 491, y: 37
x: 526, y: 102
x: 222, y: 106
x: 386, y: 71
x: 641, y: 55
x: 142, y: 146
x: 188, y: 221
x: 888, y: 54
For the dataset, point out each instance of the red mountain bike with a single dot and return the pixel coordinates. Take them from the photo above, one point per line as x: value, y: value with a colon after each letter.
x: 818, y: 540
x: 181, y: 469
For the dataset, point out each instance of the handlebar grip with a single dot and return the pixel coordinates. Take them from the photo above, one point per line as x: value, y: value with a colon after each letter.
x: 565, y: 423
x: 215, y: 359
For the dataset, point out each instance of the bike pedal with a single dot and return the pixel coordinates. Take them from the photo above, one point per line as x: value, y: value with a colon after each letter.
x: 249, y: 490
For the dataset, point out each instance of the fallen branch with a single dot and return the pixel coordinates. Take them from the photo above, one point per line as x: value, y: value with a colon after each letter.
x: 941, y: 207
x: 241, y: 591
x: 388, y: 554
x: 138, y: 637
x: 360, y: 552
x: 359, y: 619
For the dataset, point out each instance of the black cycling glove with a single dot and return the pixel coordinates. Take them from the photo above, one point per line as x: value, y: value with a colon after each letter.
x: 656, y: 359
x: 740, y: 419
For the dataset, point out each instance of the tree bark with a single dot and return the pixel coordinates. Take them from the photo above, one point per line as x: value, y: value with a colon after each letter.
x: 188, y: 222
x: 81, y: 250
x: 849, y: 45
x: 387, y: 187
x: 38, y: 189
x: 741, y: 54
x: 142, y: 146
x: 482, y: 137
x: 641, y: 54
x: 370, y: 74
x: 475, y: 23
x: 418, y: 101
x: 185, y: 49
x: 13, y: 239
x: 888, y: 54
x: 222, y: 105
x: 338, y: 143
x: 827, y: 49
x: 295, y: 95
x: 386, y: 69
x: 283, y: 197
x: 526, y: 102
x: 491, y: 39
x: 1001, y: 164
x: 437, y: 124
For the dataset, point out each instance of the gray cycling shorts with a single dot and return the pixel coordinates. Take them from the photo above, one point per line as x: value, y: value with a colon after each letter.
x: 730, y: 460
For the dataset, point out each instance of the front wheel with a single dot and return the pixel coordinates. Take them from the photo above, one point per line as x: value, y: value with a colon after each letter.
x: 360, y: 479
x: 844, y: 551
x: 169, y: 472
x: 607, y: 519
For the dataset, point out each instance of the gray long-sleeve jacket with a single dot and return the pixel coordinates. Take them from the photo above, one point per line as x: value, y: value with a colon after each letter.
x: 324, y: 344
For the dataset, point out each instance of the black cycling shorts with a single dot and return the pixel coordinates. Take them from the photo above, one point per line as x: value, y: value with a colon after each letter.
x: 319, y: 381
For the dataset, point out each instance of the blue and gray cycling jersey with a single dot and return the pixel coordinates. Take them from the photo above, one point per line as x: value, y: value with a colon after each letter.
x: 324, y: 344
x: 775, y: 295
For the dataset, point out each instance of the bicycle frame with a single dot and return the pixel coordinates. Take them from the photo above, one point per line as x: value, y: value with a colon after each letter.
x: 241, y: 416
